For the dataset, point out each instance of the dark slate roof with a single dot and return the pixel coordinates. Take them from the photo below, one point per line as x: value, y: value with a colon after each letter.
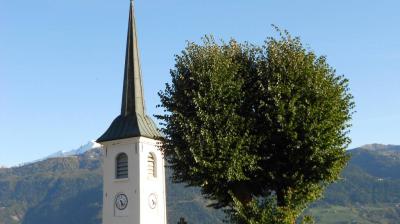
x: 133, y: 121
x: 133, y: 125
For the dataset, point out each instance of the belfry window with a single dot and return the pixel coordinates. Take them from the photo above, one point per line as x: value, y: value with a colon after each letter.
x: 151, y: 165
x: 121, y: 166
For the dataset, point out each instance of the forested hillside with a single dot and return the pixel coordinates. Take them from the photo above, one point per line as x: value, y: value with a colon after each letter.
x: 68, y: 191
x: 369, y: 191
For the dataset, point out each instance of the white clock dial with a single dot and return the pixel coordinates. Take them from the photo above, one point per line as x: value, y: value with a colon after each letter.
x: 152, y: 201
x: 121, y: 201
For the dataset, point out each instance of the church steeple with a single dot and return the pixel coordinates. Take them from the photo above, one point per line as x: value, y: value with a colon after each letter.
x: 132, y: 96
x: 133, y: 121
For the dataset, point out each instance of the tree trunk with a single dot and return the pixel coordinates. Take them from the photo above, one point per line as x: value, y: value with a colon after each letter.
x: 241, y: 193
x: 282, y: 204
x: 280, y: 198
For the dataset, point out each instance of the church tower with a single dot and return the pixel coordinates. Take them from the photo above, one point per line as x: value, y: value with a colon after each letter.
x: 134, y: 175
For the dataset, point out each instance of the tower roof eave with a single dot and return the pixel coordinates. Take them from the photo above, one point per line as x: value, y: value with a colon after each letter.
x: 134, y: 125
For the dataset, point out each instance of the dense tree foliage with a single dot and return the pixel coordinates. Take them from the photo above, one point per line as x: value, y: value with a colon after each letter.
x: 251, y: 125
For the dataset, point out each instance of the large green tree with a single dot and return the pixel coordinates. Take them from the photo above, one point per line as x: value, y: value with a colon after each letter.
x: 261, y: 129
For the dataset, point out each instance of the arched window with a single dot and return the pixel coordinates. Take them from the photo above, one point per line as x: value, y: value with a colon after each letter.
x: 121, y: 166
x: 151, y: 165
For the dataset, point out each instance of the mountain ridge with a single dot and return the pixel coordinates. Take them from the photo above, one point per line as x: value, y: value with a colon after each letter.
x: 68, y: 190
x: 74, y: 152
x: 378, y: 146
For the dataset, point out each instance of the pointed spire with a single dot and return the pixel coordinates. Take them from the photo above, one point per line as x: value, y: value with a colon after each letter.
x: 132, y: 96
x: 133, y: 121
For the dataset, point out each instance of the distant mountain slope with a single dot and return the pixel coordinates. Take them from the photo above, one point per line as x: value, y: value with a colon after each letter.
x: 26, y: 189
x: 369, y: 191
x: 381, y: 161
x: 68, y: 190
x: 372, y: 176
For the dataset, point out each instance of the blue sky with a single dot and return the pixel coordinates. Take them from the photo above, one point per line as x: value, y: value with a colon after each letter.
x: 61, y: 62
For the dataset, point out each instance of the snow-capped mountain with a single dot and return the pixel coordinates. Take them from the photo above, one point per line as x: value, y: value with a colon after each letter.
x: 82, y: 149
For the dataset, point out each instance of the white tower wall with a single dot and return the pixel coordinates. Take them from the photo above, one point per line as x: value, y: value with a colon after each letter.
x: 139, y: 187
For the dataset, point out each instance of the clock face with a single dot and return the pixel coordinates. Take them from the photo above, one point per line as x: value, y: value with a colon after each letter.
x: 153, y: 201
x: 121, y: 201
